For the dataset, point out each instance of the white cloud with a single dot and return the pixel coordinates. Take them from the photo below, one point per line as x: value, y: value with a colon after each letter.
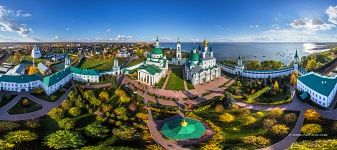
x: 332, y: 14
x: 19, y: 13
x: 55, y: 38
x: 254, y: 26
x: 311, y: 24
x: 275, y: 26
x: 67, y: 29
x: 123, y: 37
x: 108, y: 30
x: 8, y: 24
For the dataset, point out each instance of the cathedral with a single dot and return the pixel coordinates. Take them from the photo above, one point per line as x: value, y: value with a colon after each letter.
x: 201, y: 65
x: 154, y: 67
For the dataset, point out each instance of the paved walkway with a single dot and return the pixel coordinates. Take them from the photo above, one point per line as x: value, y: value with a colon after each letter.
x: 199, y: 89
x: 46, y: 106
x: 166, y: 79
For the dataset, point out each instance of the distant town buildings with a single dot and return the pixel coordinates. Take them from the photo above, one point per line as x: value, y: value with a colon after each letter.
x: 17, y: 70
x: 123, y: 53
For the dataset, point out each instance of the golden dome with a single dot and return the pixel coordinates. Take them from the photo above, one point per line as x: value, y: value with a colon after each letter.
x: 184, y: 123
x: 205, y: 43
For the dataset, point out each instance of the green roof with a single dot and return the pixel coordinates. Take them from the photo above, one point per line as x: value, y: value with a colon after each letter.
x: 194, y: 57
x: 175, y: 129
x: 157, y: 51
x: 321, y: 84
x: 19, y: 78
x: 304, y: 96
x: 152, y: 69
x: 56, y: 77
x: 84, y: 71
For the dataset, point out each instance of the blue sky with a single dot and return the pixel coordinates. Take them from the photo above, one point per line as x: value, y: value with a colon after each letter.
x: 192, y: 20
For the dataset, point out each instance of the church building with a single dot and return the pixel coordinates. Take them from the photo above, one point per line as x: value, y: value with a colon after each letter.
x: 154, y: 67
x: 201, y: 66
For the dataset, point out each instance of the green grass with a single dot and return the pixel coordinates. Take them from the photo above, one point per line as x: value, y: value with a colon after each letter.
x: 175, y: 81
x: 190, y: 86
x: 161, y: 82
x: 135, y: 62
x: 98, y: 64
x: 5, y: 100
x: 25, y: 58
x: 252, y: 97
x: 19, y: 109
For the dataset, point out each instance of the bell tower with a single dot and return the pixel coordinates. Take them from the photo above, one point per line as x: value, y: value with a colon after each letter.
x: 178, y: 50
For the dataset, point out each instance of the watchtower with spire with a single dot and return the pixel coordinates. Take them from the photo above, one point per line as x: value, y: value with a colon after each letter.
x: 296, y: 61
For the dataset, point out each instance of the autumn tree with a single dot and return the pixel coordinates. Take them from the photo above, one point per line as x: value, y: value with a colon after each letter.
x: 74, y: 111
x: 293, y: 78
x: 279, y: 130
x: 275, y: 112
x: 17, y: 57
x: 311, y: 114
x: 226, y: 117
x: 311, y: 128
x: 311, y: 64
x: 276, y: 86
x: 32, y: 70
x: 104, y: 95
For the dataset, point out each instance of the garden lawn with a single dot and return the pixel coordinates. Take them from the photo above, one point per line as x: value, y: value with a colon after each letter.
x: 175, y: 81
x: 5, y: 100
x: 161, y: 82
x: 97, y: 64
x: 252, y: 97
x: 136, y: 61
x: 19, y: 109
x: 234, y: 131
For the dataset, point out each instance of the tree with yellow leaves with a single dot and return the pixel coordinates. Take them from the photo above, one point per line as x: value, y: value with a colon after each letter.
x: 104, y: 95
x: 311, y: 114
x: 32, y: 70
x: 276, y: 86
x: 293, y: 77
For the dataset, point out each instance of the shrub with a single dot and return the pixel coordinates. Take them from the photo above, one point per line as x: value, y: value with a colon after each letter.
x: 6, y: 145
x: 74, y: 111
x: 226, y: 117
x: 255, y: 140
x: 311, y: 114
x: 290, y: 118
x: 66, y: 123
x: 219, y: 108
x: 66, y: 105
x: 280, y: 130
x: 269, y: 123
x: 311, y: 129
x: 104, y: 95
x: 20, y: 136
x: 53, y: 98
x: 106, y: 108
x: 260, y: 114
x: 334, y: 126
x: 249, y: 120
x: 276, y: 112
x: 124, y: 133
x: 8, y: 126
x: 64, y: 139
x: 56, y: 113
x: 32, y: 123
x: 25, y: 102
x: 96, y: 130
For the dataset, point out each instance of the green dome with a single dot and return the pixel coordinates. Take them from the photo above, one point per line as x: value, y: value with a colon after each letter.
x: 183, y: 129
x: 194, y: 57
x: 157, y: 51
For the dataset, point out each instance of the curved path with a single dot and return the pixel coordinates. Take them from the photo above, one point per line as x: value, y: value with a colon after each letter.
x: 46, y: 106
